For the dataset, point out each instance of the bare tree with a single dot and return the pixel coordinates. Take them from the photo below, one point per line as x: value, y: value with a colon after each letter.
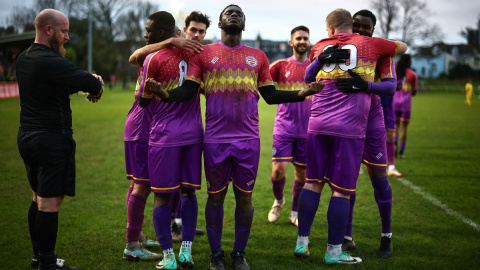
x: 387, y: 13
x: 408, y: 18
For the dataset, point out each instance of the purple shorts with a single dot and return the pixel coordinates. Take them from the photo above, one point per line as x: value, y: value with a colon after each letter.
x: 334, y: 160
x: 174, y: 167
x: 404, y: 116
x: 237, y: 162
x: 286, y: 149
x: 375, y: 150
x: 136, y: 160
x: 389, y: 117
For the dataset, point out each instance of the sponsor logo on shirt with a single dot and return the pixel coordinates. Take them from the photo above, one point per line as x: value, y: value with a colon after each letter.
x: 251, y: 182
x: 379, y: 155
x: 251, y: 61
x: 287, y: 74
x: 214, y: 60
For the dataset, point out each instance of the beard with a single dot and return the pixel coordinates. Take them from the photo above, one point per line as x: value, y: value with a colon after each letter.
x: 57, y: 45
x: 232, y: 29
x: 300, y: 51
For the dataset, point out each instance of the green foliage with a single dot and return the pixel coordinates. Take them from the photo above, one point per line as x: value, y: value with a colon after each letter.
x: 442, y: 157
x: 461, y: 71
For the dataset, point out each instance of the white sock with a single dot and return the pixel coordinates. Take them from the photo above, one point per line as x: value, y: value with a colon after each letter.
x: 294, y: 213
x: 187, y: 244
x: 178, y: 221
x: 168, y: 251
x: 302, y: 239
x: 391, y: 167
x: 334, y: 250
x: 348, y: 238
x: 389, y: 235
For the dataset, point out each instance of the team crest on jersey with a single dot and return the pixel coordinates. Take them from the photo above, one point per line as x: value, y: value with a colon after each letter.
x: 251, y: 61
x: 287, y: 74
x: 274, y: 151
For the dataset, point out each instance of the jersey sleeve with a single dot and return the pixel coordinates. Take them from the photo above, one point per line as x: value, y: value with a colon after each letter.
x: 275, y: 70
x: 386, y: 47
x: 385, y: 68
x: 149, y: 69
x: 264, y: 77
x: 195, y: 72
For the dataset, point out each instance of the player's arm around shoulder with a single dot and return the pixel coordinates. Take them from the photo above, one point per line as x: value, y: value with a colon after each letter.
x: 138, y: 56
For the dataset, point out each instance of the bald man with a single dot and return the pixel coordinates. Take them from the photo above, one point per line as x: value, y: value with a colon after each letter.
x: 45, y: 142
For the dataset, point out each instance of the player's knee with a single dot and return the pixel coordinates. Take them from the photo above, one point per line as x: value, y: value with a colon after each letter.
x: 278, y: 173
x: 186, y: 191
x: 216, y: 200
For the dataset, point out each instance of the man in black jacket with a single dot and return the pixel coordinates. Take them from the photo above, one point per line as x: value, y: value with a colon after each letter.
x: 45, y: 80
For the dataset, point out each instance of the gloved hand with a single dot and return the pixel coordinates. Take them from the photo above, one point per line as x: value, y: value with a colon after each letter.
x: 354, y: 84
x: 334, y: 55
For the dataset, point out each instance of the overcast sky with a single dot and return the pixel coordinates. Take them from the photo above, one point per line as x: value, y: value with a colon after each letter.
x: 274, y: 19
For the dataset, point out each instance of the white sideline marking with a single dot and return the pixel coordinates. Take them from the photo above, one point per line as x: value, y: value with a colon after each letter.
x: 438, y: 203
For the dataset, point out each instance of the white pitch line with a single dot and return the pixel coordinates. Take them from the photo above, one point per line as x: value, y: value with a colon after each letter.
x: 438, y: 203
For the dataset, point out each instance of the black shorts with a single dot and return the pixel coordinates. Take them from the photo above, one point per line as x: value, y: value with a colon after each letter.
x: 49, y: 158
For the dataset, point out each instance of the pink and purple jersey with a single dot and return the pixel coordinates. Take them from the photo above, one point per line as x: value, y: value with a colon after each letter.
x: 231, y: 78
x: 402, y: 101
x: 175, y: 123
x: 137, y: 125
x: 385, y: 69
x: 345, y: 115
x: 291, y: 118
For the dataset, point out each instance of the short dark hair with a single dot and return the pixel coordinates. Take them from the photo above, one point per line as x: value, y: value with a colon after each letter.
x: 366, y: 13
x: 300, y: 28
x: 163, y: 20
x: 221, y: 13
x: 197, y: 16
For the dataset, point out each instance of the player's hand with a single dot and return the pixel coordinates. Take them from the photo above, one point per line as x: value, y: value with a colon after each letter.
x: 156, y: 88
x: 312, y: 89
x: 95, y: 98
x: 334, y: 55
x: 354, y: 84
x: 192, y: 46
x: 98, y: 78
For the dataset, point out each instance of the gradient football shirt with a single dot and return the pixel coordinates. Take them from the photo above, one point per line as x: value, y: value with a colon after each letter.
x: 385, y: 69
x: 137, y: 125
x: 402, y: 101
x: 345, y: 115
x: 231, y: 77
x: 174, y: 123
x: 291, y: 118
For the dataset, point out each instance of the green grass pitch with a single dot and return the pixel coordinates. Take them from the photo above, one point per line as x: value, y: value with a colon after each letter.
x: 442, y: 161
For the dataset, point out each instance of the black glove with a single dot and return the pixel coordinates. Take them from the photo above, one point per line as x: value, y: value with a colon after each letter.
x: 354, y: 84
x: 334, y: 55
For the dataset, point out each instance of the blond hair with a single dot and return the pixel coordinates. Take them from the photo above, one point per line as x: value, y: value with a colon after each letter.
x: 340, y: 19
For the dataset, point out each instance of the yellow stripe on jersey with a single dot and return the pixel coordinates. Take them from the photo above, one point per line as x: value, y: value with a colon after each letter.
x: 291, y: 85
x: 239, y: 80
x: 345, y: 189
x: 190, y: 185
x: 374, y: 164
x: 273, y: 158
x: 166, y: 189
x: 242, y: 190
x: 217, y: 191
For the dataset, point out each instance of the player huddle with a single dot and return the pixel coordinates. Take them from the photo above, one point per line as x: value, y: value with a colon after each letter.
x: 329, y: 120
